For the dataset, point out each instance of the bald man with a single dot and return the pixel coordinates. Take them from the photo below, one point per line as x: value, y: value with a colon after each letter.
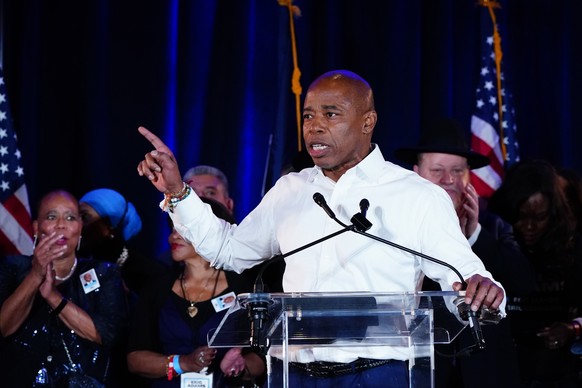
x: 339, y: 119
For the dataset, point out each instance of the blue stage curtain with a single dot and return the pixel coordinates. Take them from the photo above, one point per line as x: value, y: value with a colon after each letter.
x: 213, y: 79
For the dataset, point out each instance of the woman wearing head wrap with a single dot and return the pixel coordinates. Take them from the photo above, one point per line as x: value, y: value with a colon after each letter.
x: 109, y: 222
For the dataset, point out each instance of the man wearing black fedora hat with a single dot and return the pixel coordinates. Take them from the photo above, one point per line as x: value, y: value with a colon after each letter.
x: 444, y: 158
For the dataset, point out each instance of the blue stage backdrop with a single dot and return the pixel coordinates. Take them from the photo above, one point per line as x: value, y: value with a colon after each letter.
x: 213, y: 79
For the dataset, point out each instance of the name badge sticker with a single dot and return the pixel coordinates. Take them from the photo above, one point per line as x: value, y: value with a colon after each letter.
x: 223, y: 302
x: 89, y: 281
x: 195, y: 380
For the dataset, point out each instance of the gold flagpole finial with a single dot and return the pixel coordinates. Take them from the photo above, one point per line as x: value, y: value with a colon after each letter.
x: 489, y: 3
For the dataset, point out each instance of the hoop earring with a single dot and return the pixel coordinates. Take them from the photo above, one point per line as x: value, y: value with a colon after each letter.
x: 35, y: 241
x: 79, y: 243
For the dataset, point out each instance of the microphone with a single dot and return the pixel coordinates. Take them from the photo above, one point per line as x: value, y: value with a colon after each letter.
x: 364, y: 206
x: 361, y: 225
x: 258, y: 302
x: 359, y: 220
x: 258, y: 313
x: 320, y: 200
x: 472, y: 317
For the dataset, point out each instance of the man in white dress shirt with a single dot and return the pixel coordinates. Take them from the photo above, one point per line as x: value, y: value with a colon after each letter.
x: 338, y: 122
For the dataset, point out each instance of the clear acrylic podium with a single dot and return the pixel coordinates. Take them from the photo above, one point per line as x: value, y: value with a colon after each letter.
x: 405, y: 324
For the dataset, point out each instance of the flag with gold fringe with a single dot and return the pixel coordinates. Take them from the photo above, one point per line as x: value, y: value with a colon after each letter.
x: 493, y: 127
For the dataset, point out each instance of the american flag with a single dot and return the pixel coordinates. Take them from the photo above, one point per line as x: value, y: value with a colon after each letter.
x: 493, y: 128
x: 15, y: 225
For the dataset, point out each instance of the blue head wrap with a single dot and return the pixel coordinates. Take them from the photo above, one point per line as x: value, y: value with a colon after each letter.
x: 121, y: 213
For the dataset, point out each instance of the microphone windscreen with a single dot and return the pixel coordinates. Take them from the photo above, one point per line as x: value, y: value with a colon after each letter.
x: 364, y: 204
x: 318, y: 198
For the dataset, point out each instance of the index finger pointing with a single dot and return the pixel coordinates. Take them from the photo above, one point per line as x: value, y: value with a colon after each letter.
x: 156, y: 142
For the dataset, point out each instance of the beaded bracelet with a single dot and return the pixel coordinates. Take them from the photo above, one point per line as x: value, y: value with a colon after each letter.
x: 577, y: 329
x: 57, y: 310
x: 172, y: 199
x: 170, y: 372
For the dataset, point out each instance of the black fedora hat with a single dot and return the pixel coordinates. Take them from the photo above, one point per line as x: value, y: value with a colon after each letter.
x: 444, y: 136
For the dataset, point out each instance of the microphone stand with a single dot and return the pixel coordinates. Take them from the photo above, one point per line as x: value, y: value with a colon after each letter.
x: 360, y: 224
x: 259, y: 285
x: 465, y: 311
x: 258, y: 302
x: 429, y: 258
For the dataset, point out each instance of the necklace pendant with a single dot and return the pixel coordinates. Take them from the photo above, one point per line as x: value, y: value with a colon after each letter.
x: 192, y: 311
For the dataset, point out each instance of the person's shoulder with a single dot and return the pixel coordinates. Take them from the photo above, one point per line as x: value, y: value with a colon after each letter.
x: 240, y: 282
x: 15, y: 265
x: 16, y: 260
x: 409, y: 180
x: 84, y: 262
x: 299, y: 176
x: 100, y: 267
x: 157, y: 290
x: 391, y: 169
x: 493, y: 223
x: 136, y: 258
x: 292, y: 183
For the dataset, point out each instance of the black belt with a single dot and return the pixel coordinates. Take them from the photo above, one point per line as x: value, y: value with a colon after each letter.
x: 333, y: 369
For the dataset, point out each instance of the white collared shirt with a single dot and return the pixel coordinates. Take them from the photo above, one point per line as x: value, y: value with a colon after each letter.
x: 404, y: 208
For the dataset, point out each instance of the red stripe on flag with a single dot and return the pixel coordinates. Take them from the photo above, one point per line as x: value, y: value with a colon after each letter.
x: 480, y: 146
x: 19, y: 213
x: 7, y: 247
x: 481, y: 187
x: 483, y: 148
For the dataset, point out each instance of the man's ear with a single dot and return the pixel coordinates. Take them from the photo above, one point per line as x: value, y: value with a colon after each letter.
x: 35, y: 227
x: 370, y: 122
x: 230, y: 205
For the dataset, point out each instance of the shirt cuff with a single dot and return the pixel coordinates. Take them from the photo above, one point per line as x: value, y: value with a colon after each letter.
x: 475, y: 235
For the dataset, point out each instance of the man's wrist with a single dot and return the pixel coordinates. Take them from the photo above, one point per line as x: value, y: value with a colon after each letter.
x: 172, y: 199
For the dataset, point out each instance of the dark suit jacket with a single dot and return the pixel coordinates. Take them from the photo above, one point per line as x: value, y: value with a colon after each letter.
x: 496, y: 365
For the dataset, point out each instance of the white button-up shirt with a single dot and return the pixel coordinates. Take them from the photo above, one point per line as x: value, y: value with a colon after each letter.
x: 404, y: 208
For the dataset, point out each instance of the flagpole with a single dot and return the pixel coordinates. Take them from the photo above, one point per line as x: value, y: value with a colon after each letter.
x: 490, y: 4
x: 295, y: 81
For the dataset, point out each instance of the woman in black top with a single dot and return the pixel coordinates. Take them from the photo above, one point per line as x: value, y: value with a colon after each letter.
x: 53, y: 328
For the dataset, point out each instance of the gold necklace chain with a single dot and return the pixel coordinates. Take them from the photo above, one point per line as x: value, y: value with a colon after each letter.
x: 192, y: 309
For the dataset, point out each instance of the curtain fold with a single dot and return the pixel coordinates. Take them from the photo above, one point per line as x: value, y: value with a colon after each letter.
x: 213, y: 78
